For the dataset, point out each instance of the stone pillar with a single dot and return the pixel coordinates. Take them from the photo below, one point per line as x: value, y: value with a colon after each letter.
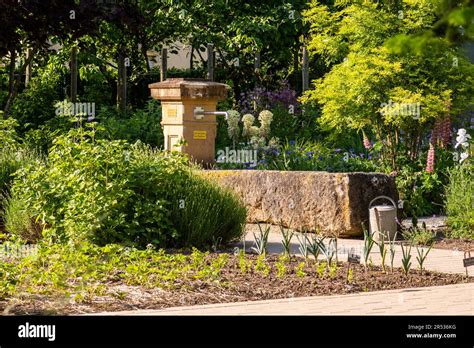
x: 182, y: 130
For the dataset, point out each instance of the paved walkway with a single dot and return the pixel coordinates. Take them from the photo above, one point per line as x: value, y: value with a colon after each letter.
x: 437, y: 300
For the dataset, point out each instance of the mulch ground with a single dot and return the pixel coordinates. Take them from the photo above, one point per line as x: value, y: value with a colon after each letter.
x: 234, y: 286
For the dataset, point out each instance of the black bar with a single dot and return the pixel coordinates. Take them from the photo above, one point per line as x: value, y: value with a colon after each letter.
x: 249, y: 330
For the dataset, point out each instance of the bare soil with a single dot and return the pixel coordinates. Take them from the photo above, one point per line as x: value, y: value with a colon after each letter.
x: 234, y: 286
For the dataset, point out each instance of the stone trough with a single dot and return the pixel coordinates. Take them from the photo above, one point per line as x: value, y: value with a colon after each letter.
x: 336, y: 203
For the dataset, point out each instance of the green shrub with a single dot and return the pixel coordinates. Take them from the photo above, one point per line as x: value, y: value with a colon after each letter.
x: 19, y: 222
x: 460, y: 201
x: 12, y: 155
x: 142, y: 124
x: 113, y: 192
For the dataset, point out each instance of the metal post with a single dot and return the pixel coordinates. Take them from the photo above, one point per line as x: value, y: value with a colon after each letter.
x: 164, y: 64
x: 210, y: 62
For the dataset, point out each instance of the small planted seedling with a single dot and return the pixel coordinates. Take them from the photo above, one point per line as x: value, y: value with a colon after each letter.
x: 368, y: 244
x: 382, y: 249
x: 391, y: 248
x: 422, y: 254
x: 321, y: 269
x: 286, y: 235
x: 333, y: 270
x: 244, y: 265
x: 262, y: 266
x: 406, y: 258
x: 350, y: 276
x: 314, y: 246
x: 300, y: 270
x: 303, y: 245
x: 261, y: 240
x: 328, y: 251
x: 281, y: 265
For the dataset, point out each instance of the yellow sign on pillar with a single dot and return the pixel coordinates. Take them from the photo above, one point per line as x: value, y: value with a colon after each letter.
x: 200, y: 135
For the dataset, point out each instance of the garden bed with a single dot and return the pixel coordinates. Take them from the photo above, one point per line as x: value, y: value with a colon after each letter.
x: 239, y: 279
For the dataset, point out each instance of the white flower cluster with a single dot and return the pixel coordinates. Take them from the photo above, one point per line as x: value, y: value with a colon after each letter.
x: 233, y: 125
x: 256, y: 136
x: 463, y: 140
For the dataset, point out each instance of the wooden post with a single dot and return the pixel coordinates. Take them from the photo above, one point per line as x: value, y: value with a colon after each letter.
x: 164, y: 64
x: 74, y: 74
x: 191, y: 59
x: 257, y: 68
x: 122, y: 82
x: 305, y: 70
x: 28, y: 67
x: 210, y: 62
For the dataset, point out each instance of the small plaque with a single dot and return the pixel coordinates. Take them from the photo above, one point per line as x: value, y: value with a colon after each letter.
x: 468, y: 261
x: 200, y: 135
x: 353, y: 258
x: 172, y: 111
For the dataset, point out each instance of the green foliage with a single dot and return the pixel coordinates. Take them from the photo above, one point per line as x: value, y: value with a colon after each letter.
x: 303, y: 245
x: 382, y: 249
x: 368, y: 245
x: 419, y: 235
x: 366, y: 74
x: 13, y: 155
x: 300, y: 269
x: 286, y: 235
x: 261, y: 239
x: 18, y: 221
x: 262, y: 266
x: 112, y: 192
x: 36, y: 104
x: 76, y: 271
x: 406, y: 257
x: 333, y: 270
x: 391, y: 248
x: 350, y: 276
x: 141, y: 124
x: 422, y: 254
x: 460, y: 201
x: 321, y: 269
x: 281, y: 265
x: 314, y: 246
x: 244, y: 265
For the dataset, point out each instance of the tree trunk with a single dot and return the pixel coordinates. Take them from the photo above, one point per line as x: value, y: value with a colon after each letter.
x: 164, y: 64
x: 28, y: 68
x: 73, y: 74
x: 144, y: 50
x: 14, y: 82
x: 122, y: 82
x: 257, y: 69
